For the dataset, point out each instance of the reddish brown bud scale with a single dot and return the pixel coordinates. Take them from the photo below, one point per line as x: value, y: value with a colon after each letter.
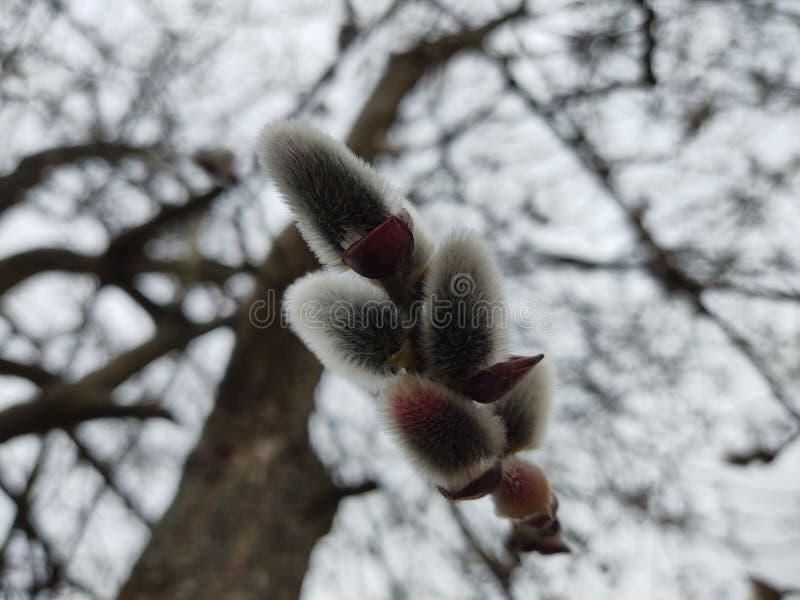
x: 525, y: 539
x: 546, y: 522
x: 477, y: 488
x: 541, y: 521
x: 385, y: 250
x: 524, y: 491
x: 489, y: 384
x: 540, y: 533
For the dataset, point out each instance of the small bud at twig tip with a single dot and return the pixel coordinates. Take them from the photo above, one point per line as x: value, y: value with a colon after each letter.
x: 524, y: 491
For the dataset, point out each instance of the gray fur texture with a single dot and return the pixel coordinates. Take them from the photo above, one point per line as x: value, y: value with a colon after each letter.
x: 450, y: 439
x: 464, y: 326
x: 335, y: 196
x: 351, y: 325
x: 525, y: 410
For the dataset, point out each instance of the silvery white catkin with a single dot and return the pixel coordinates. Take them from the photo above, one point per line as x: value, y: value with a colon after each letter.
x: 450, y: 439
x: 465, y: 320
x: 525, y: 410
x: 335, y: 196
x: 350, y: 324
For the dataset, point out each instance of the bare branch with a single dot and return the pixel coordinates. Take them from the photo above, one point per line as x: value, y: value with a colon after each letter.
x: 648, y: 30
x: 44, y: 413
x: 368, y: 135
x: 169, y: 337
x: 662, y: 266
x: 33, y: 373
x: 15, y: 269
x: 133, y: 239
x: 107, y: 473
x: 500, y: 570
x: 64, y: 405
x: 32, y: 169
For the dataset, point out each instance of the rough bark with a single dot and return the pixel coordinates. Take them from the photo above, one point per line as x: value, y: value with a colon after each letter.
x: 254, y: 498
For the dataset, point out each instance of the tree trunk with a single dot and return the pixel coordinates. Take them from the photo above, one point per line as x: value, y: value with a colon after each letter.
x: 254, y: 498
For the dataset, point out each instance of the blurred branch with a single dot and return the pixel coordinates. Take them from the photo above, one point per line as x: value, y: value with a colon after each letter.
x: 124, y: 256
x: 528, y: 259
x: 500, y: 570
x: 648, y: 30
x: 169, y: 337
x: 349, y: 33
x: 45, y: 413
x: 766, y: 293
x: 33, y: 373
x: 17, y: 268
x: 662, y: 265
x: 368, y: 135
x: 345, y: 491
x: 106, y: 471
x: 22, y: 502
x: 332, y: 497
x: 134, y: 239
x: 763, y: 590
x: 761, y: 453
x: 55, y: 567
x: 32, y: 169
x: 557, y: 102
x: 64, y: 405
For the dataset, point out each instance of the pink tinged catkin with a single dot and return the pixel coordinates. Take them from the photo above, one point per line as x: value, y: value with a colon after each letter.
x: 524, y: 492
x: 452, y: 441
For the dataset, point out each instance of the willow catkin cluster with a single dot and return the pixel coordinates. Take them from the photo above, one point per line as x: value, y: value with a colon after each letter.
x: 422, y: 323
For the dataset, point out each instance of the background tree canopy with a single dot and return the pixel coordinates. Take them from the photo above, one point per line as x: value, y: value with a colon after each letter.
x: 634, y: 165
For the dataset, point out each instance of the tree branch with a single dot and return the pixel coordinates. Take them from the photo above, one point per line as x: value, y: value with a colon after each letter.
x: 648, y: 31
x: 501, y: 571
x: 662, y: 266
x: 124, y: 256
x: 44, y: 413
x: 64, y: 405
x: 107, y: 473
x: 33, y: 373
x: 404, y: 71
x: 15, y: 269
x: 32, y: 169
